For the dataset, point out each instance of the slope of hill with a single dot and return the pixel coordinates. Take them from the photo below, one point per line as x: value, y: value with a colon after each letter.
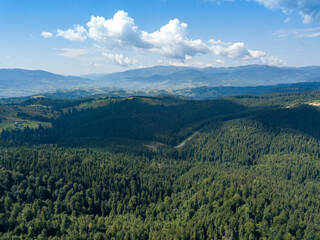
x: 251, y: 170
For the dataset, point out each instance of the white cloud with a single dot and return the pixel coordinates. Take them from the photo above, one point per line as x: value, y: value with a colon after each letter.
x: 117, y: 32
x: 262, y: 57
x: 308, y: 9
x: 121, y: 32
x: 46, y: 34
x: 72, y: 52
x: 120, y: 60
x: 233, y: 51
x: 220, y: 61
x: 171, y: 40
x: 78, y: 33
x: 188, y: 63
x: 241, y: 52
x: 299, y: 32
x: 309, y: 35
x: 7, y: 57
x: 218, y: 42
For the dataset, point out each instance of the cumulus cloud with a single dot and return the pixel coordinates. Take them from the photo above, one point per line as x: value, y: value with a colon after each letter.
x: 46, y: 34
x: 117, y: 32
x: 72, y: 52
x: 241, y: 52
x: 121, y: 32
x: 120, y: 60
x: 233, y: 51
x: 308, y: 9
x: 78, y: 33
x: 171, y: 40
x: 218, y: 42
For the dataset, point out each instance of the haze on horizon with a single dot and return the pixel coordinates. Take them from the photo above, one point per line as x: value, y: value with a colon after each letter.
x: 83, y: 37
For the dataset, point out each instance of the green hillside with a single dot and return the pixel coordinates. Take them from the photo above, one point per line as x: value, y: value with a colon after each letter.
x: 248, y: 168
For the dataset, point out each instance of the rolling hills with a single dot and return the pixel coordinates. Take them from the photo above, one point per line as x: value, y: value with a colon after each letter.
x: 109, y: 168
x: 157, y: 80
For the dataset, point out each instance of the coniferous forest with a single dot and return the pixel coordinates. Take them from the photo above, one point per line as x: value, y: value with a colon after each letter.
x: 239, y: 167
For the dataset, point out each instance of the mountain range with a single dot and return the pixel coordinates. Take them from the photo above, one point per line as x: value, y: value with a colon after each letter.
x: 170, y: 77
x: 20, y: 82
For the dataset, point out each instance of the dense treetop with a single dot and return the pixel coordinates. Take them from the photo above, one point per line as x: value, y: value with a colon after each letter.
x: 249, y: 168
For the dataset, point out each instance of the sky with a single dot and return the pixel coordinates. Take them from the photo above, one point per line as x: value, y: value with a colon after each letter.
x: 78, y: 37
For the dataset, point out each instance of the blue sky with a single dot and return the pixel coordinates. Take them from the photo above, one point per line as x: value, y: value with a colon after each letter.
x: 80, y: 37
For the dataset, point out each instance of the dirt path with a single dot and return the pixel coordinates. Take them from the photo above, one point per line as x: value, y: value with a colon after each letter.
x: 155, y: 145
x: 150, y: 146
x: 184, y: 142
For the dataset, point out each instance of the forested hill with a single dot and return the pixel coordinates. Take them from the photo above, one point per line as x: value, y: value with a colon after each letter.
x: 247, y: 167
x: 150, y: 119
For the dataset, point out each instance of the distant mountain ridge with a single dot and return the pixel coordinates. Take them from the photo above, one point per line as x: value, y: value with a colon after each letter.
x: 170, y: 77
x: 30, y: 77
x: 20, y: 82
